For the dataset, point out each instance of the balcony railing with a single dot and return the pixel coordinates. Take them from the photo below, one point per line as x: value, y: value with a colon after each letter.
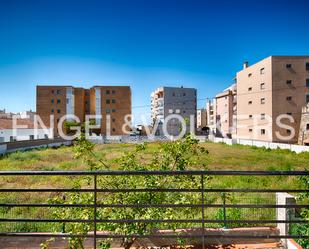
x: 204, y: 205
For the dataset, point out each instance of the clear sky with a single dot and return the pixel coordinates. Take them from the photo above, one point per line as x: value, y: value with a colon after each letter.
x: 141, y: 43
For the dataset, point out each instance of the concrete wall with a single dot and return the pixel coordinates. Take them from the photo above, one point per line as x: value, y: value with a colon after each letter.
x: 270, y: 145
x: 32, y: 144
x: 3, y: 148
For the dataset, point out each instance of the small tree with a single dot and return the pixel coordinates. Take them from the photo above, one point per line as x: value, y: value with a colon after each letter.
x: 178, y: 155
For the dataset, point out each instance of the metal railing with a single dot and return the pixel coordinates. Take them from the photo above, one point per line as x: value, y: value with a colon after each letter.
x: 95, y: 205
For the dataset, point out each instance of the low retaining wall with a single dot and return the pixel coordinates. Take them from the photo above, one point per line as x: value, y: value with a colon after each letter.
x: 32, y: 144
x: 269, y: 145
x: 34, y: 243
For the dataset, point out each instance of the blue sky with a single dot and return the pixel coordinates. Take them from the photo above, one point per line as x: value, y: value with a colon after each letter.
x: 141, y: 43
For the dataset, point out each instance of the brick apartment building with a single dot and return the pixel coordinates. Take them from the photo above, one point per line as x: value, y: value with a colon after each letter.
x: 114, y: 101
x: 273, y: 86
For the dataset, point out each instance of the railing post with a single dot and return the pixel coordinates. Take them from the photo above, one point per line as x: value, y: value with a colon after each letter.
x: 63, y: 224
x: 203, y: 210
x: 95, y: 212
x: 224, y: 210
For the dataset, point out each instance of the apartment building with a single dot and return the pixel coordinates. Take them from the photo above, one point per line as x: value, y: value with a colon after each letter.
x: 166, y: 101
x: 211, y: 115
x: 201, y: 119
x: 113, y: 103
x: 273, y: 86
x: 226, y: 112
x: 107, y: 101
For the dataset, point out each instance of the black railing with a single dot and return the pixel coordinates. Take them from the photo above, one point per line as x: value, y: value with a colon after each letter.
x: 95, y: 205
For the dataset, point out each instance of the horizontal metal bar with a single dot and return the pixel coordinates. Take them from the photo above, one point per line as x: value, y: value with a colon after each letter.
x: 45, y: 205
x: 160, y: 190
x: 200, y: 206
x: 151, y: 221
x: 156, y: 172
x: 156, y: 205
x: 44, y: 190
x: 159, y: 236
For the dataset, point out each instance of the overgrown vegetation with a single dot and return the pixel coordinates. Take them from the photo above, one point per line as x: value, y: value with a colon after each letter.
x: 177, y: 155
x: 116, y: 156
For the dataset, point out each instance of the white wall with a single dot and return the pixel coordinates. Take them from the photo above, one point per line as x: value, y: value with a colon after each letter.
x: 24, y: 134
x: 98, y: 110
x: 293, y: 147
x: 70, y: 101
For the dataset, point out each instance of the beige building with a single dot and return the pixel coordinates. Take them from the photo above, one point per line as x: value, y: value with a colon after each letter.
x: 277, y: 85
x: 226, y: 112
x: 201, y: 118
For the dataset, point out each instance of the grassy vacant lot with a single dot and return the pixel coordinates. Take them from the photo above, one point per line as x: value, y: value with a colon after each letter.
x: 220, y: 157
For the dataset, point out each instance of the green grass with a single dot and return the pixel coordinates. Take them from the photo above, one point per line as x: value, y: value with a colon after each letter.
x: 220, y: 157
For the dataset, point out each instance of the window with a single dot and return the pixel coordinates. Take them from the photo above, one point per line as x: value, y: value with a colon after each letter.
x: 288, y: 131
x: 263, y: 116
x: 31, y: 137
x: 58, y: 101
x: 184, y: 111
x: 58, y: 111
x: 289, y: 82
x: 113, y: 101
x: 173, y: 94
x: 307, y: 98
x: 184, y: 94
x: 113, y: 92
x: 307, y: 82
x: 177, y: 111
x: 108, y: 101
x: 52, y: 101
x: 307, y: 66
x: 113, y: 110
x: 249, y: 75
x: 250, y: 102
x: 307, y: 127
x: 170, y: 111
x: 52, y: 110
x: 108, y: 110
x: 52, y: 91
x: 113, y: 129
x: 86, y: 102
x: 250, y: 89
x: 250, y: 116
x: 262, y: 86
x: 58, y: 91
x: 68, y: 100
x: 107, y: 91
x: 250, y: 130
x: 288, y: 65
x: 113, y: 120
x: 263, y: 132
x: 262, y: 101
x: 289, y: 98
x: 183, y: 103
x: 262, y: 71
